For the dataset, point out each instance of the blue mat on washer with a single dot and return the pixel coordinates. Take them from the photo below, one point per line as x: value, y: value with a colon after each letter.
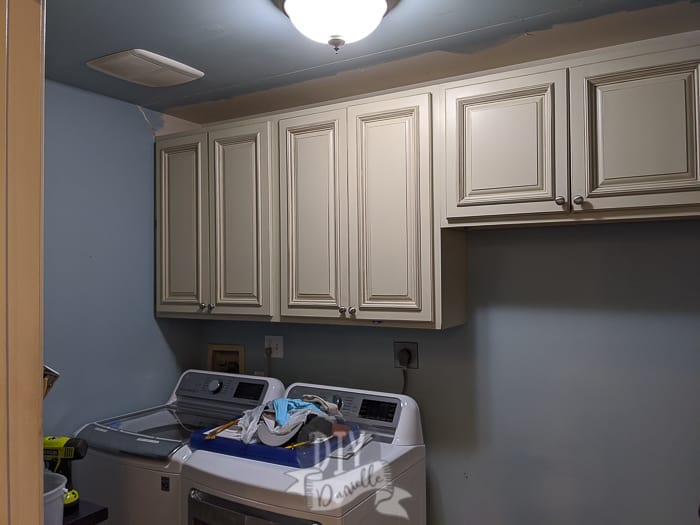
x: 303, y: 456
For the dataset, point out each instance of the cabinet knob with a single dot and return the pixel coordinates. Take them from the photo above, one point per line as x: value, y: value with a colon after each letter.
x: 342, y: 309
x: 202, y: 306
x: 211, y: 306
x: 352, y: 310
x: 560, y: 200
x: 578, y: 199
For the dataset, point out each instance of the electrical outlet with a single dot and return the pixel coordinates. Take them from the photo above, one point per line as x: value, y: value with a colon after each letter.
x: 411, y: 347
x: 276, y: 344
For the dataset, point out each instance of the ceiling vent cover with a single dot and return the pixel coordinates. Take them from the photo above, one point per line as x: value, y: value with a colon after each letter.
x: 145, y: 68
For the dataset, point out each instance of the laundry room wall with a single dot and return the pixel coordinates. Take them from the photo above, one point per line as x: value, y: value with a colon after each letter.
x: 571, y: 394
x: 99, y: 327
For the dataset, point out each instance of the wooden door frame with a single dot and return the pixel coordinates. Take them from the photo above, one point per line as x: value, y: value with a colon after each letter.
x: 21, y: 261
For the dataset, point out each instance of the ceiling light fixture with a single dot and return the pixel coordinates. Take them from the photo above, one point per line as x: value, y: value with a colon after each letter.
x: 336, y: 22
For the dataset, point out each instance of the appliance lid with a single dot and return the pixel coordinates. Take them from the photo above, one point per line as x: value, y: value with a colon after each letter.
x: 154, y: 433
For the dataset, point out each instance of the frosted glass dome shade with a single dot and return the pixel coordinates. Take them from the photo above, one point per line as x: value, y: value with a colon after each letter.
x: 335, y: 22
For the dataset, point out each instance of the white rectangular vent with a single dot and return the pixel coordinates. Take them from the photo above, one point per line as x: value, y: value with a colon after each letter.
x: 145, y: 68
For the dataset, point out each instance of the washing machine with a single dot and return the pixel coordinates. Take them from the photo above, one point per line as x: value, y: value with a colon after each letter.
x: 134, y: 460
x: 377, y: 479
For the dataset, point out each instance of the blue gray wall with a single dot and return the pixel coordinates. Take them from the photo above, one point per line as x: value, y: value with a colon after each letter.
x: 99, y: 328
x: 572, y: 394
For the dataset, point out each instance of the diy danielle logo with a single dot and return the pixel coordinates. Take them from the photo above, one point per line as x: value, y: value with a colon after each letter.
x: 336, y: 482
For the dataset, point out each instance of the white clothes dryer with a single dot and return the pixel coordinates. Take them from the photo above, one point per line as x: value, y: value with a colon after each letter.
x: 380, y: 483
x: 134, y: 461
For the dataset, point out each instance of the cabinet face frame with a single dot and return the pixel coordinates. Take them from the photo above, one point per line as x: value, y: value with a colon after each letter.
x: 476, y: 116
x: 590, y: 85
x: 302, y: 206
x: 404, y: 124
x: 250, y: 186
x: 169, y: 300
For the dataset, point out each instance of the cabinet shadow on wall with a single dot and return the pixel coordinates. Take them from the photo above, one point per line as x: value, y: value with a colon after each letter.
x: 634, y: 267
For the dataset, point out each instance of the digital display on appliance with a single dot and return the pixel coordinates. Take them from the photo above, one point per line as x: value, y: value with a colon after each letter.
x: 251, y: 391
x: 377, y: 410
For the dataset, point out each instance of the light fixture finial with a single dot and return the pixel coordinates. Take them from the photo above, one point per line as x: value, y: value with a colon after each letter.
x: 336, y: 22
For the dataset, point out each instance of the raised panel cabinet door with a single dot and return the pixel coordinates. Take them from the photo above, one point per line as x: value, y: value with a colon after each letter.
x: 507, y: 146
x: 240, y: 203
x: 182, y: 215
x: 634, y: 132
x: 313, y: 202
x: 389, y: 181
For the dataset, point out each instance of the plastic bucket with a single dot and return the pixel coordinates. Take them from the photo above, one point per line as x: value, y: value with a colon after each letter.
x: 53, y: 498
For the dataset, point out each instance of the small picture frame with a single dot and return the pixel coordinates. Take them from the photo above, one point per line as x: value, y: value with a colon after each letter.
x: 227, y: 358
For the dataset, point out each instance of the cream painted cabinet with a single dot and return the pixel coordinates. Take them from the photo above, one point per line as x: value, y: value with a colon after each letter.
x: 634, y: 132
x: 182, y: 215
x: 356, y: 212
x: 390, y: 226
x: 240, y: 224
x: 215, y: 223
x: 313, y: 200
x: 506, y: 145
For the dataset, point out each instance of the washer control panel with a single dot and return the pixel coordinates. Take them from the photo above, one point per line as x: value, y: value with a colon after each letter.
x: 224, y: 388
x: 368, y: 409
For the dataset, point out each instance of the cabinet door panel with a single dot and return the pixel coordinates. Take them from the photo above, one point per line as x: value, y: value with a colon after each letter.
x: 313, y: 179
x: 390, y: 210
x: 240, y: 222
x: 182, y: 214
x: 507, y: 146
x: 635, y: 131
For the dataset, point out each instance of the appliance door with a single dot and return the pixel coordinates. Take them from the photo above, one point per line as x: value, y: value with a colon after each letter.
x: 154, y: 433
x: 205, y: 509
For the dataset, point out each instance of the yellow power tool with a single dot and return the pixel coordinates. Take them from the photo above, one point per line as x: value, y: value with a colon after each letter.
x: 59, y: 451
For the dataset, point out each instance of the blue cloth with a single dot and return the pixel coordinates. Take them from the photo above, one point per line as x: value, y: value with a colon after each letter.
x: 284, y: 406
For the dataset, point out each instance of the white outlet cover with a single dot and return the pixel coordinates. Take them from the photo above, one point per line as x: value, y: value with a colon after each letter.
x: 276, y: 343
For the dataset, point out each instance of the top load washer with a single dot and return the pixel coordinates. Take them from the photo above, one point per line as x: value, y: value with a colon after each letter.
x: 380, y: 483
x: 134, y: 461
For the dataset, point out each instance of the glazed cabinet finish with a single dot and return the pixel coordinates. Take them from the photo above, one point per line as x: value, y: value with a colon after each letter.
x: 506, y: 145
x: 182, y: 256
x: 390, y: 209
x: 356, y: 212
x: 214, y: 223
x: 313, y: 196
x: 240, y: 221
x: 634, y: 134
x: 358, y: 191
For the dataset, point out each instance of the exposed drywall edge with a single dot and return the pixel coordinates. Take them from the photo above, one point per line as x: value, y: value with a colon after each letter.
x: 560, y: 40
x: 163, y: 124
x: 172, y: 124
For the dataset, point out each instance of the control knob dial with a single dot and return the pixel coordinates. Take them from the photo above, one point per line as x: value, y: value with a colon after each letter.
x: 214, y: 386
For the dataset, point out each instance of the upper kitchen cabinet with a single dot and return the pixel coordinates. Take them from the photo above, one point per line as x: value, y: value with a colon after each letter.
x: 356, y: 212
x: 634, y: 132
x: 215, y: 222
x: 182, y: 218
x: 630, y: 131
x: 313, y: 201
x: 506, y: 145
x: 390, y: 210
x: 240, y: 204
